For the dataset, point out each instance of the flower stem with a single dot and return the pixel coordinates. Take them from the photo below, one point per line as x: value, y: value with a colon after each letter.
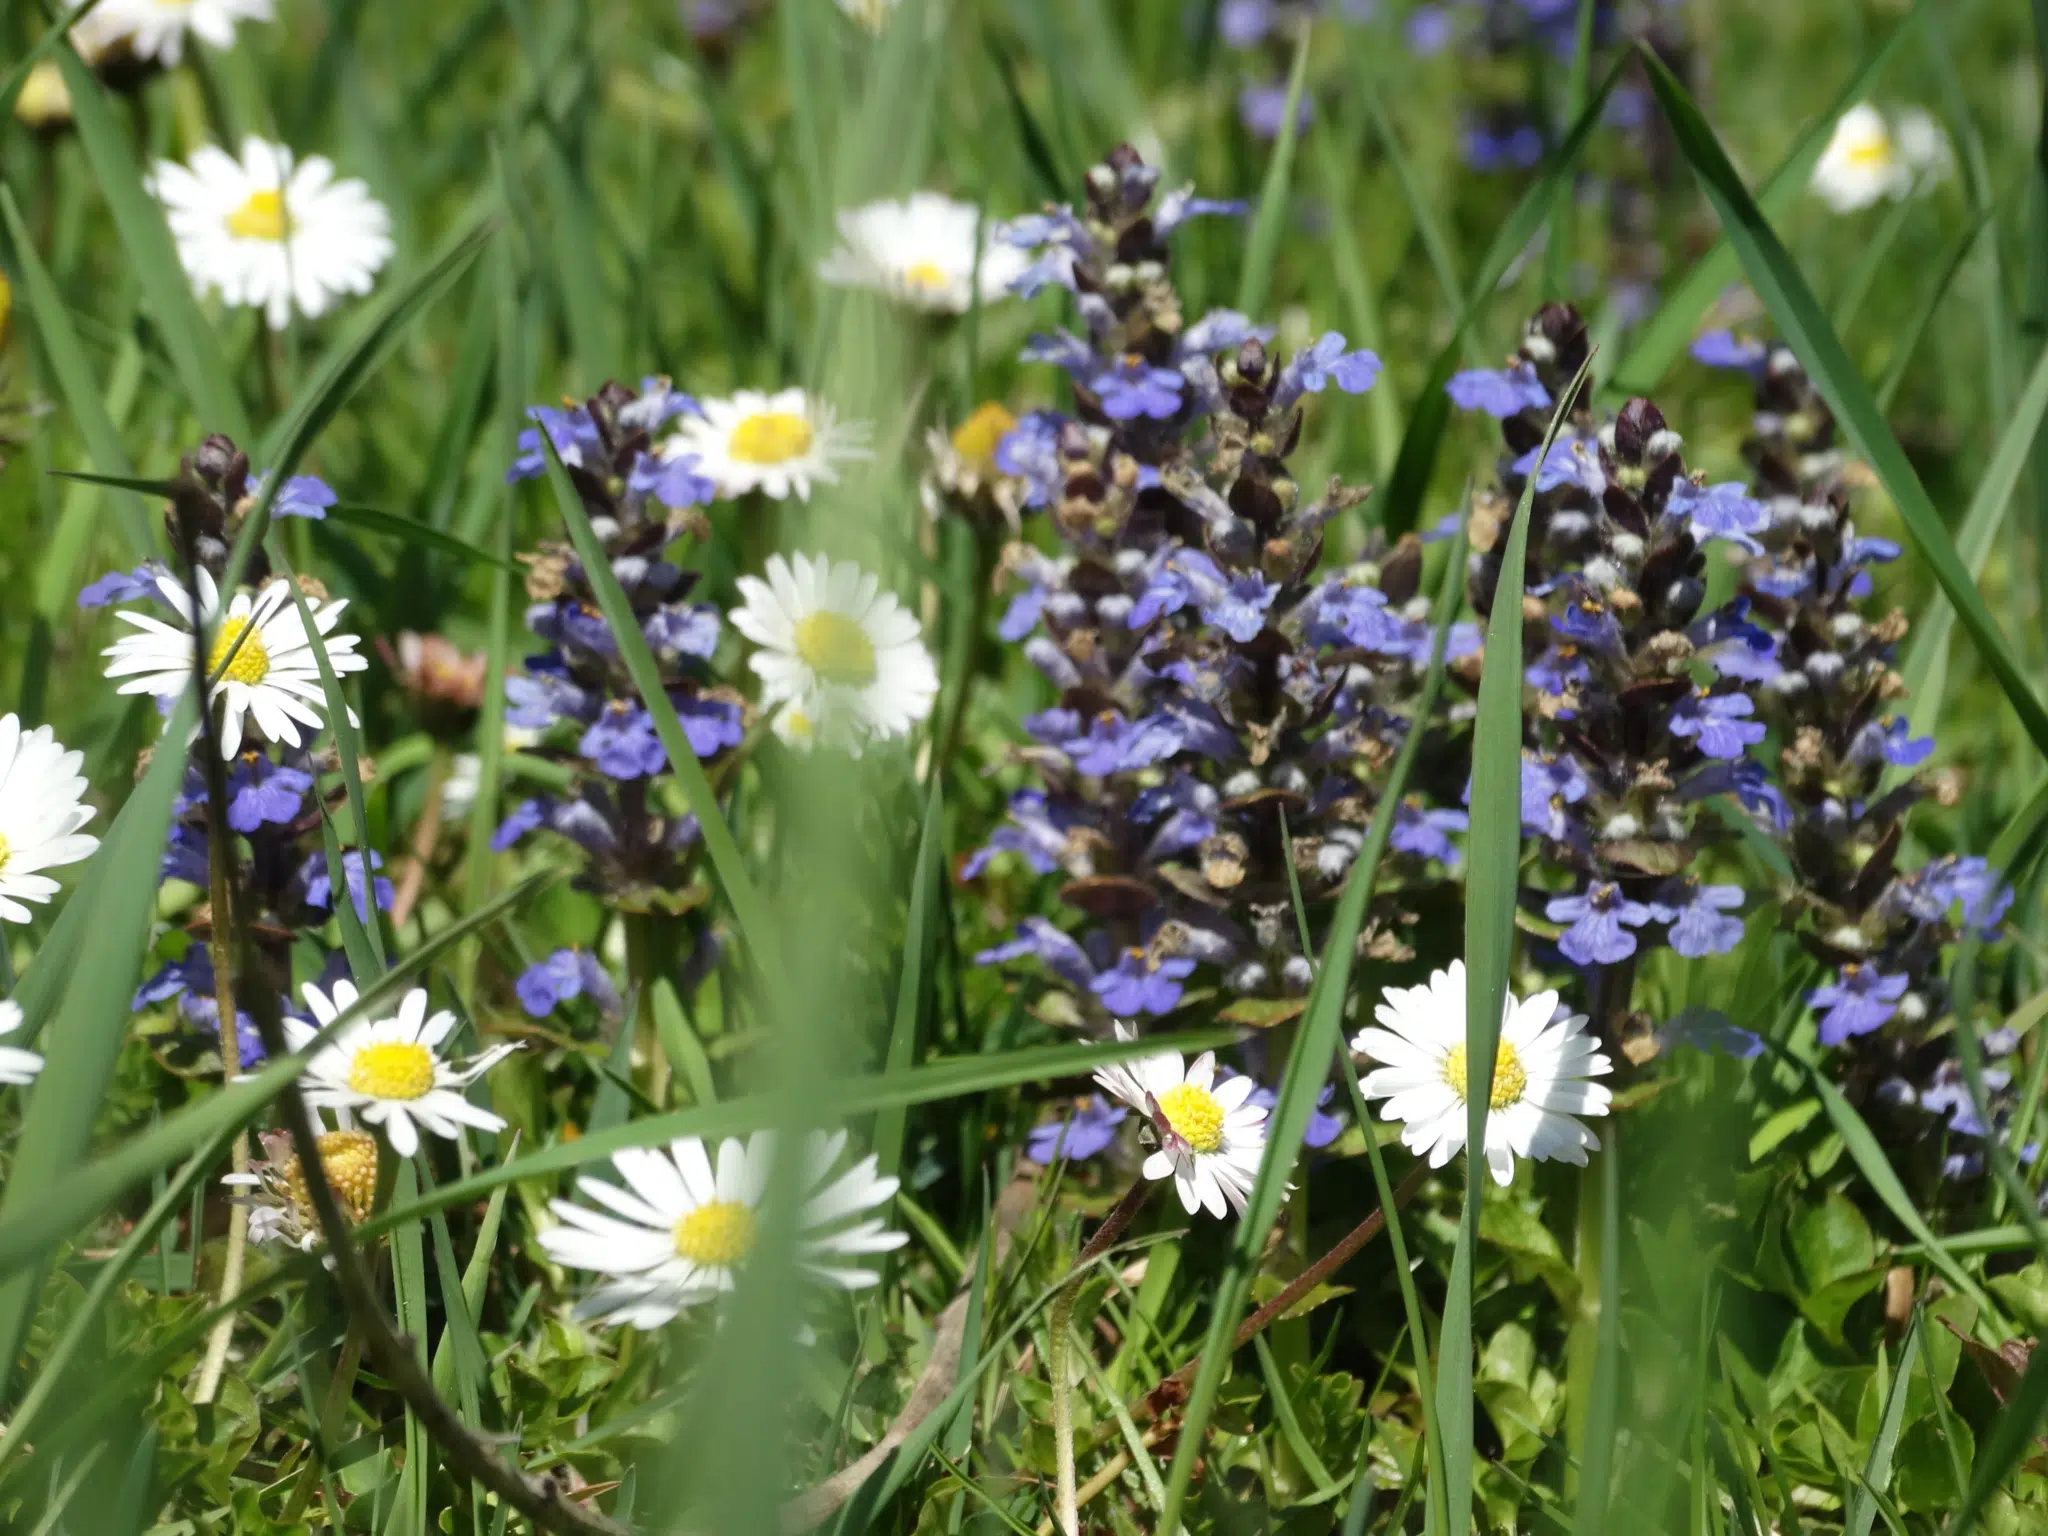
x: 215, y: 1360
x: 1057, y: 1359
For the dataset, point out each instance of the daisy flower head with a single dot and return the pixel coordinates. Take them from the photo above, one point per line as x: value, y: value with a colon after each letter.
x: 271, y: 675
x: 17, y: 1066
x: 683, y: 1228
x: 845, y: 660
x: 1871, y: 156
x: 270, y: 232
x: 871, y: 14
x: 1211, y: 1136
x: 923, y: 251
x: 40, y: 814
x: 155, y: 29
x: 780, y: 444
x: 390, y: 1072
x: 1542, y: 1075
x: 281, y: 1207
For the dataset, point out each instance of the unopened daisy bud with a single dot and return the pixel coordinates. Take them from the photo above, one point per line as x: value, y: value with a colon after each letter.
x: 44, y: 102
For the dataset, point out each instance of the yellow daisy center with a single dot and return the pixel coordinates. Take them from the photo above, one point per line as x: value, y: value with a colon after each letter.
x: 1195, y: 1116
x: 252, y: 662
x: 262, y: 217
x: 771, y: 437
x: 925, y: 276
x: 392, y: 1069
x: 1871, y: 153
x: 836, y: 648
x: 718, y: 1233
x: 349, y: 1159
x: 975, y: 439
x: 6, y: 852
x: 794, y: 721
x: 1510, y: 1077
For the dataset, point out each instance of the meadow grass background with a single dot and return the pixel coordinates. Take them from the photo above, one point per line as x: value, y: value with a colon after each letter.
x: 580, y: 192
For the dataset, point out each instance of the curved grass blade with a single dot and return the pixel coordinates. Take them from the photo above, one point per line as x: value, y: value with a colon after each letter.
x: 1417, y: 461
x: 1315, y: 1044
x: 920, y: 934
x: 1877, y: 1470
x: 1926, y: 665
x: 74, y: 374
x: 2012, y: 1436
x: 388, y: 525
x: 1906, y: 344
x: 1784, y: 292
x: 1262, y: 245
x: 1666, y: 335
x: 61, y: 1202
x: 209, y: 387
x: 17, y: 77
x: 110, y: 912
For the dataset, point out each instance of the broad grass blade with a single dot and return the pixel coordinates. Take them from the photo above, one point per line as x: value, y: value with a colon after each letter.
x: 920, y: 933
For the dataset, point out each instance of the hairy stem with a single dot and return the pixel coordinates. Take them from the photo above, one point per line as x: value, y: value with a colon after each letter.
x: 220, y: 855
x: 1058, y: 1351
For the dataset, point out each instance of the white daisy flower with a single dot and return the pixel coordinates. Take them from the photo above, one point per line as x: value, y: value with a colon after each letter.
x: 1210, y: 1138
x: 281, y: 1209
x: 155, y: 29
x: 844, y: 656
x: 1870, y: 157
x: 267, y: 234
x: 17, y: 1066
x: 388, y: 1071
x: 272, y: 675
x: 1540, y: 1075
x: 40, y: 814
x: 922, y: 251
x: 779, y: 444
x: 682, y: 1230
x: 872, y: 14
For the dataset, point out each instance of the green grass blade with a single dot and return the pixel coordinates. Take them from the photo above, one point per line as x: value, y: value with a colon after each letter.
x: 1315, y: 1042
x: 196, y: 357
x: 1434, y: 244
x: 750, y: 914
x: 1877, y: 1469
x: 920, y: 934
x: 87, y: 1006
x: 1663, y: 339
x: 1926, y: 664
x: 406, y: 530
x: 1603, y: 1415
x: 1276, y: 194
x: 1906, y: 343
x: 2011, y: 1437
x: 75, y: 377
x: 1432, y: 411
x: 1784, y: 292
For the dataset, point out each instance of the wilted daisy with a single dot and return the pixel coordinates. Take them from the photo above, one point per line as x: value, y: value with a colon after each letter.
x: 964, y: 468
x: 681, y: 1231
x: 17, y: 1066
x: 155, y: 29
x: 281, y: 1209
x: 266, y: 234
x: 40, y: 814
x: 922, y: 250
x: 843, y: 656
x: 779, y: 444
x: 1541, y: 1075
x: 1870, y: 157
x: 272, y: 675
x: 1210, y: 1135
x: 389, y: 1071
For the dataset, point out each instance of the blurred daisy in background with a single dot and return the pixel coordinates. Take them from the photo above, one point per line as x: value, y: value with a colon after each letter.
x: 682, y: 1230
x: 872, y: 14
x: 1211, y: 1136
x: 780, y: 444
x: 272, y: 676
x: 40, y: 814
x: 267, y: 233
x: 17, y: 1066
x: 1541, y: 1075
x: 1871, y: 157
x: 843, y: 658
x: 922, y: 250
x: 155, y: 29
x: 389, y: 1071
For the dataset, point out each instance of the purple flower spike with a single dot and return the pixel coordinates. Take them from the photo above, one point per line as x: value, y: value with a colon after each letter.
x: 622, y: 743
x: 527, y: 816
x: 1549, y: 784
x: 136, y: 586
x: 1134, y: 389
x: 1500, y: 392
x: 1323, y: 1127
x: 1888, y: 740
x: 1315, y: 368
x: 1699, y: 924
x: 1724, y: 349
x: 1139, y: 984
x: 361, y: 884
x: 1720, y: 723
x: 1263, y: 108
x: 1860, y: 998
x: 1083, y: 1134
x: 306, y: 496
x: 1426, y: 834
x: 1039, y: 939
x: 1724, y: 511
x: 1600, y: 920
x: 261, y: 792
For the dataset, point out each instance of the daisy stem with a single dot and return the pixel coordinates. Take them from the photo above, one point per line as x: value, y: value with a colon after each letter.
x: 1061, y: 1328
x: 222, y: 940
x: 645, y: 947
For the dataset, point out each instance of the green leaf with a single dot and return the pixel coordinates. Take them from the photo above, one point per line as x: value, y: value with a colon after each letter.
x: 209, y: 386
x: 1784, y: 292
